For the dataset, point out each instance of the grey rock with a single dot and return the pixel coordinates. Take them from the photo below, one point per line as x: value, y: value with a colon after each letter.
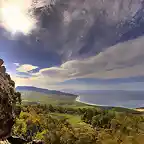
x: 8, y: 109
x: 7, y: 104
x: 4, y: 142
x: 1, y: 62
x: 2, y: 69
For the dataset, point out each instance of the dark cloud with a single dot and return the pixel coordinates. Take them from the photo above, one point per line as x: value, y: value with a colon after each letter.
x: 78, y: 29
x: 34, y: 53
x: 72, y: 29
x: 104, y: 81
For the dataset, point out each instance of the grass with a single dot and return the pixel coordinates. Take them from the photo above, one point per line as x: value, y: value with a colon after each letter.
x: 64, y: 101
x: 56, y: 100
x: 46, y: 98
x: 73, y: 119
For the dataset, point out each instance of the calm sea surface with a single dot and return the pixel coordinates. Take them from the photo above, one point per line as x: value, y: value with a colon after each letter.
x: 129, y: 99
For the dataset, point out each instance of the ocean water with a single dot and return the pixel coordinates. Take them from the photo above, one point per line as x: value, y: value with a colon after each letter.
x: 128, y: 99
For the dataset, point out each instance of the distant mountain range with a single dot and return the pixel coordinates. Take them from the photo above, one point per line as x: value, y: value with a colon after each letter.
x: 46, y: 91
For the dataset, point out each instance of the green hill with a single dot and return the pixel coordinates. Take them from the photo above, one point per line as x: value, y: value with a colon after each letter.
x: 31, y: 97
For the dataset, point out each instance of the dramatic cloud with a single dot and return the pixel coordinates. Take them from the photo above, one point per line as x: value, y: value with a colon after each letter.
x: 123, y: 60
x: 26, y: 68
x: 68, y: 40
x: 70, y: 30
x: 120, y: 61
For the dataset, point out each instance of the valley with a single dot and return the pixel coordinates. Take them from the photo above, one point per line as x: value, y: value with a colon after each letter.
x: 59, y: 119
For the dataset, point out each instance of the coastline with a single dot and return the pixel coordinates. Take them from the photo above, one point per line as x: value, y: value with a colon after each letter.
x: 140, y: 110
x: 97, y: 105
x: 78, y: 100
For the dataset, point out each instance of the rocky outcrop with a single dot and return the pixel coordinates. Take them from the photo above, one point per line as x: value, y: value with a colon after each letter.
x: 7, y: 102
x: 9, y: 99
x: 1, y: 62
x: 2, y: 68
x: 4, y: 142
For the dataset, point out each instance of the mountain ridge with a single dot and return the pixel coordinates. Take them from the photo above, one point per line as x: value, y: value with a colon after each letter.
x: 46, y: 91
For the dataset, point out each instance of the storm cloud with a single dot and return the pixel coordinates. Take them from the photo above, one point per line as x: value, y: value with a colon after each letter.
x: 74, y: 39
x: 120, y: 61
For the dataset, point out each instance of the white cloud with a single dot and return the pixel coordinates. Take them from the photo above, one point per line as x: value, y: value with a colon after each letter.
x: 67, y: 17
x: 120, y: 61
x: 133, y: 86
x: 26, y: 68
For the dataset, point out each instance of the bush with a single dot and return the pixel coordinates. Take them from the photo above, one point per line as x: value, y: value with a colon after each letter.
x: 104, y: 127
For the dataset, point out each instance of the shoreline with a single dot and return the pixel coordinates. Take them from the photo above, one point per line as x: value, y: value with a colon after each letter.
x: 91, y: 104
x: 140, y: 110
x: 97, y: 105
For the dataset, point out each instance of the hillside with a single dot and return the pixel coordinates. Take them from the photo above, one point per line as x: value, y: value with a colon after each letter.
x: 60, y: 119
x: 46, y: 91
x: 32, y: 97
x: 84, y: 125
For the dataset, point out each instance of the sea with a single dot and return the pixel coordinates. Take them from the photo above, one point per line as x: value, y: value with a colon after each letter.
x: 116, y: 98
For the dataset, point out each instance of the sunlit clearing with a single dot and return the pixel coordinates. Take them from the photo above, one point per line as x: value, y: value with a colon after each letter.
x: 15, y: 18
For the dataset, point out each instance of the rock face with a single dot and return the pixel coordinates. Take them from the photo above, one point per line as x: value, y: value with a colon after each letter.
x: 4, y: 142
x: 8, y: 109
x: 2, y: 69
x: 7, y: 102
x: 1, y: 62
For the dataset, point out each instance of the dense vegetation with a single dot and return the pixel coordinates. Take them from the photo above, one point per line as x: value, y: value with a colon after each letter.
x: 69, y: 125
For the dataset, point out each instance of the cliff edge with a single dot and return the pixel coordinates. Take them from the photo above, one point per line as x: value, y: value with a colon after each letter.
x: 9, y: 108
x: 8, y: 98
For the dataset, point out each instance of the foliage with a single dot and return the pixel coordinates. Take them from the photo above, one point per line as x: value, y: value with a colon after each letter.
x: 57, y: 125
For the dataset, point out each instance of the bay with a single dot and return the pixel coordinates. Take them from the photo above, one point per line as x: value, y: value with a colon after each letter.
x: 116, y: 98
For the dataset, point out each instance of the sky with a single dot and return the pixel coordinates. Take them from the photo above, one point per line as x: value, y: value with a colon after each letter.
x: 36, y: 52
